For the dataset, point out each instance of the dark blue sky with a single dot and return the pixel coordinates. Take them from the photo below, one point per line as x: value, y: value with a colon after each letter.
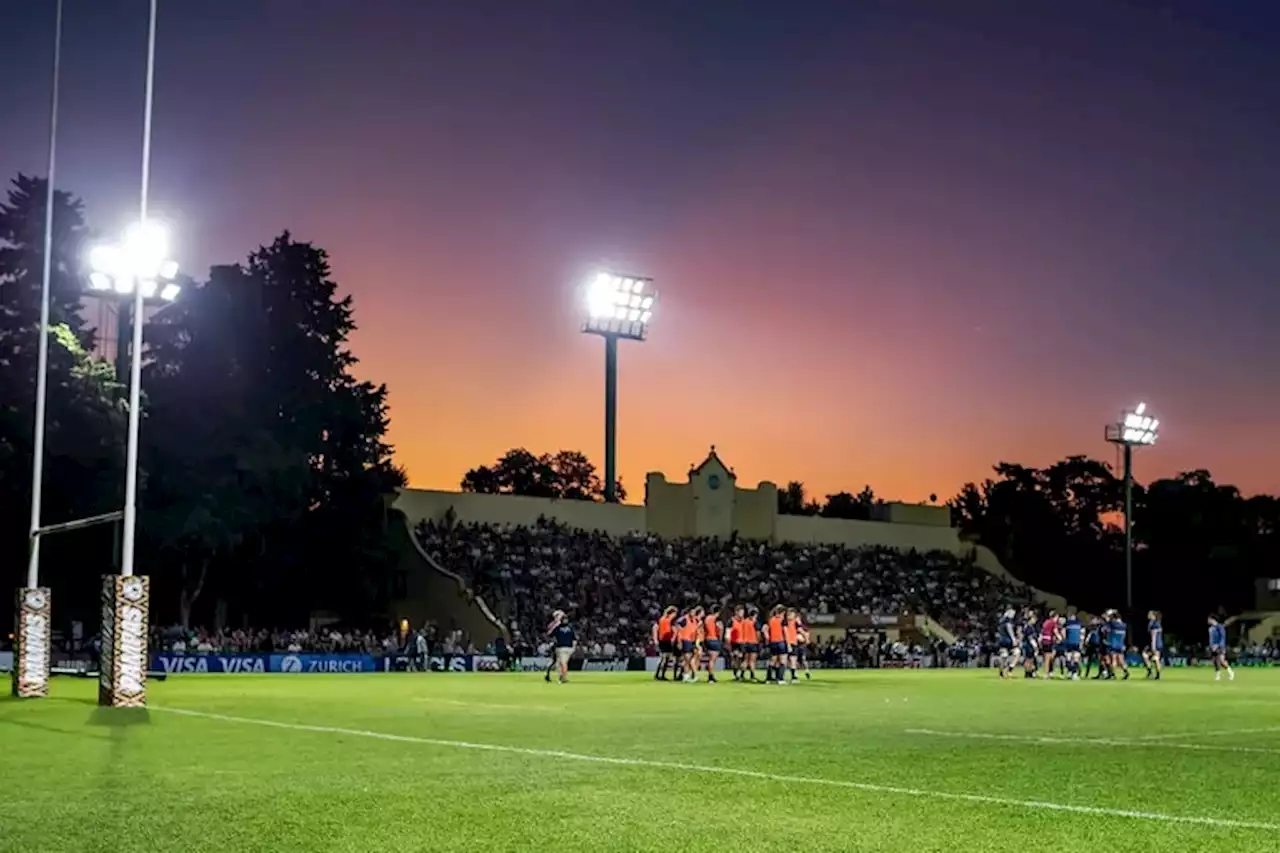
x: 895, y: 242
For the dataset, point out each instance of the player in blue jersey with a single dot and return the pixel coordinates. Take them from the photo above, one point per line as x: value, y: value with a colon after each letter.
x: 1072, y: 637
x: 1029, y: 647
x: 1093, y: 647
x: 1218, y: 650
x: 1152, y: 654
x: 563, y: 638
x: 1116, y: 647
x: 1007, y: 642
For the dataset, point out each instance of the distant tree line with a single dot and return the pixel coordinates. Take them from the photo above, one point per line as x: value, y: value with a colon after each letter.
x: 264, y: 462
x: 1199, y: 546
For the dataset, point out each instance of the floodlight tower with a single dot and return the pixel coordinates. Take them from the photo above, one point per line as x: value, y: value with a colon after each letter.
x: 619, y: 307
x: 1134, y: 429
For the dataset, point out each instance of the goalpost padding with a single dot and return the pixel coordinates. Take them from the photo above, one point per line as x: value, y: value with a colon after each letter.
x: 32, y: 649
x: 122, y: 669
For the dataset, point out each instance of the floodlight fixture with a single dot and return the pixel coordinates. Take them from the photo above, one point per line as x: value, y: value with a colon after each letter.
x: 619, y: 305
x: 141, y: 262
x: 1139, y: 428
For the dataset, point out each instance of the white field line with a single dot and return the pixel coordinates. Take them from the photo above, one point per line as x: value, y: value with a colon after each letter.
x: 1219, y: 733
x: 1093, y: 741
x: 494, y: 706
x: 1227, y: 823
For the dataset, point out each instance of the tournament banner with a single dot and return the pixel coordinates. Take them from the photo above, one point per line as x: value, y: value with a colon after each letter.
x: 31, y: 643
x: 305, y: 662
x: 451, y: 663
x: 175, y: 663
x: 600, y: 664
x: 122, y: 667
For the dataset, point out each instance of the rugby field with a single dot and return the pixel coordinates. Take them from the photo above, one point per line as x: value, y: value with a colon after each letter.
x: 867, y: 761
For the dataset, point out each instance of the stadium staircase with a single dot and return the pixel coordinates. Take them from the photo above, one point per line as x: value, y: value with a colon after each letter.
x: 434, y: 593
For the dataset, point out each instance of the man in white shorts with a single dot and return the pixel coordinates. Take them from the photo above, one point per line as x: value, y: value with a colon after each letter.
x: 563, y: 638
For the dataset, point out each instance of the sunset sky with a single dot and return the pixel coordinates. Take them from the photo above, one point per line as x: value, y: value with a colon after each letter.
x: 894, y: 242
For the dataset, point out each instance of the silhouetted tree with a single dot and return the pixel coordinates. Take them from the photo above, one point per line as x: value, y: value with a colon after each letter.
x: 567, y: 475
x: 84, y: 419
x: 792, y: 500
x: 267, y: 459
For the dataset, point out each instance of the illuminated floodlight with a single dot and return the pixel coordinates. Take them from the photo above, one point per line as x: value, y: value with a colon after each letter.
x: 619, y: 305
x: 141, y: 262
x: 1135, y: 427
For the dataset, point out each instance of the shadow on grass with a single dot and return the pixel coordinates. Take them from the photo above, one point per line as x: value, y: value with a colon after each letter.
x: 119, y: 718
x: 41, y: 727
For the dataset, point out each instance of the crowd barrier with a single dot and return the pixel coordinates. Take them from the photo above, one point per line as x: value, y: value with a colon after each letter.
x: 174, y: 663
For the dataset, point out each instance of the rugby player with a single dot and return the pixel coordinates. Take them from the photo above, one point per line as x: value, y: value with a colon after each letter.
x: 800, y: 656
x: 1072, y: 633
x: 1100, y: 655
x: 711, y: 631
x: 791, y: 634
x: 777, y: 639
x: 749, y: 631
x: 1155, y: 645
x: 1218, y: 649
x: 687, y: 627
x: 1007, y: 639
x: 1029, y: 648
x: 735, y: 641
x: 664, y: 638
x: 1116, y: 631
x: 1048, y: 640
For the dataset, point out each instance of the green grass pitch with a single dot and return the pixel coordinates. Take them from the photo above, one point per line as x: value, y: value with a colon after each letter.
x: 852, y: 761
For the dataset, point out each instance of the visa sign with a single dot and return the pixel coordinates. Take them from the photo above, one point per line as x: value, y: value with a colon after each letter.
x: 178, y: 663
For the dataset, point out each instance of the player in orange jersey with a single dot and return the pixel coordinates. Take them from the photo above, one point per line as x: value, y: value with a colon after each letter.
x: 664, y: 635
x: 687, y: 627
x: 750, y: 632
x: 791, y: 633
x: 712, y: 629
x: 735, y: 642
x: 776, y: 636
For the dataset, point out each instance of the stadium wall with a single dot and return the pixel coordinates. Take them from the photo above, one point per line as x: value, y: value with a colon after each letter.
x: 613, y: 519
x: 854, y: 533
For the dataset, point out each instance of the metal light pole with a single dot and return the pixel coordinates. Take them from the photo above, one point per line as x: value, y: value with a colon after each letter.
x: 1135, y: 428
x: 618, y: 307
x: 33, y: 629
x: 129, y: 531
x: 137, y: 268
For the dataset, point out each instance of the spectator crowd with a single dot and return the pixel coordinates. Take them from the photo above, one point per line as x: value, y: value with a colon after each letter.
x: 616, y: 586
